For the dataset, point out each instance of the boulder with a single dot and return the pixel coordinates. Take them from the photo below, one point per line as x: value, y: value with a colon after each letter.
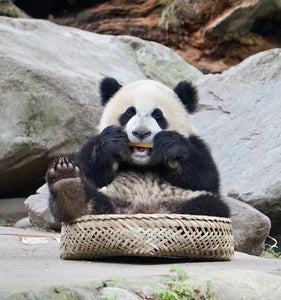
x: 39, y: 213
x: 244, y: 17
x: 240, y: 119
x: 250, y: 227
x: 49, y: 91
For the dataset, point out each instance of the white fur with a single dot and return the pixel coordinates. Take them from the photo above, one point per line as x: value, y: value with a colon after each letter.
x: 145, y: 96
x: 142, y: 119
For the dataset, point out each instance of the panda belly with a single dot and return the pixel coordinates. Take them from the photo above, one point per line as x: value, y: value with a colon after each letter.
x: 133, y: 192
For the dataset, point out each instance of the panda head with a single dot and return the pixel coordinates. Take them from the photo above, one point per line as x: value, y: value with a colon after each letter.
x: 144, y: 108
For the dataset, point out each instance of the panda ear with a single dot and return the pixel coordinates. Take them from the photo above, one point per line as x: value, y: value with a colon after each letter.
x: 108, y: 87
x: 187, y: 94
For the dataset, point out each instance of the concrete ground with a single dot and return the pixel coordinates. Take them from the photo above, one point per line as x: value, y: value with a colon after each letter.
x: 29, y: 263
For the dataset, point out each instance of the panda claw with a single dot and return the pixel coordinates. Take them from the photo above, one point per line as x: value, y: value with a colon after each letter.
x: 60, y: 169
x: 52, y: 171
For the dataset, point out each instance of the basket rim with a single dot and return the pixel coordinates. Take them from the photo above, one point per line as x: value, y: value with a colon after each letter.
x: 141, y: 216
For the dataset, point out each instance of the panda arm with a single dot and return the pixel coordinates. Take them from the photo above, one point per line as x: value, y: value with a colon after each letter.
x: 185, y: 162
x: 98, y: 157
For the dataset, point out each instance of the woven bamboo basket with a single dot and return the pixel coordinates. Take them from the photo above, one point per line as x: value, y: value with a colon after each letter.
x: 189, y: 237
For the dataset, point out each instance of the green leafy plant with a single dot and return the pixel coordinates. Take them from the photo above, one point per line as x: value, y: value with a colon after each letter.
x: 210, y: 295
x: 177, y: 288
x: 270, y: 252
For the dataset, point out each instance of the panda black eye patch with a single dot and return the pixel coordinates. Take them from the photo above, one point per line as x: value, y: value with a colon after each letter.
x: 127, y: 115
x: 157, y: 114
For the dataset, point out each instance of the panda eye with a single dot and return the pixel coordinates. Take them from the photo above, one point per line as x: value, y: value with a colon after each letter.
x: 130, y: 112
x: 157, y: 114
x: 127, y: 115
x: 159, y: 117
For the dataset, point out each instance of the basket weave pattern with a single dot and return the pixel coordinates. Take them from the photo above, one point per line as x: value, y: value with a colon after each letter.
x: 158, y: 235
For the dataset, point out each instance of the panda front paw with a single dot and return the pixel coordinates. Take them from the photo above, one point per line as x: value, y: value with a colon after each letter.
x: 112, y: 141
x: 171, y: 148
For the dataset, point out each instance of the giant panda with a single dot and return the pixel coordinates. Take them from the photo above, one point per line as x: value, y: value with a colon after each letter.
x: 146, y: 158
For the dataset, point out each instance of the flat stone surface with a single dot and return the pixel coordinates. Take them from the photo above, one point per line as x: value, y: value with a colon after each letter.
x: 26, y: 267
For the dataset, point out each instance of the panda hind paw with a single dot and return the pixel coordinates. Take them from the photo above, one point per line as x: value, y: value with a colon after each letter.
x: 62, y: 169
x: 67, y: 199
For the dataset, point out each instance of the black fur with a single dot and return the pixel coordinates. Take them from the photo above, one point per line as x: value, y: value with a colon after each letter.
x: 108, y: 87
x: 196, y: 169
x: 101, y: 204
x: 127, y: 115
x: 187, y: 93
x: 97, y: 156
x: 207, y: 205
x: 157, y: 114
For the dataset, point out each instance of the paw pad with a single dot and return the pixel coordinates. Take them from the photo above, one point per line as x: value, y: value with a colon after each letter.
x: 62, y: 168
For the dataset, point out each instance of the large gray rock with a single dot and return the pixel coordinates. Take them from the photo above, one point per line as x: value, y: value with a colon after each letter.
x: 250, y: 227
x: 49, y: 90
x: 240, y: 119
x: 244, y: 17
x: 39, y: 213
x: 31, y: 269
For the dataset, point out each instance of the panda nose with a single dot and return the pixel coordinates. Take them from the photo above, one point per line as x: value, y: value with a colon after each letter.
x: 141, y: 133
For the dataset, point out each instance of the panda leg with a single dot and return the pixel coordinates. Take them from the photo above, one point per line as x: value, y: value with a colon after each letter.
x: 67, y: 196
x: 208, y: 204
x: 71, y: 195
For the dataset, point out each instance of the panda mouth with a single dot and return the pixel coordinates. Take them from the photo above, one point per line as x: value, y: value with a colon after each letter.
x: 140, y: 150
